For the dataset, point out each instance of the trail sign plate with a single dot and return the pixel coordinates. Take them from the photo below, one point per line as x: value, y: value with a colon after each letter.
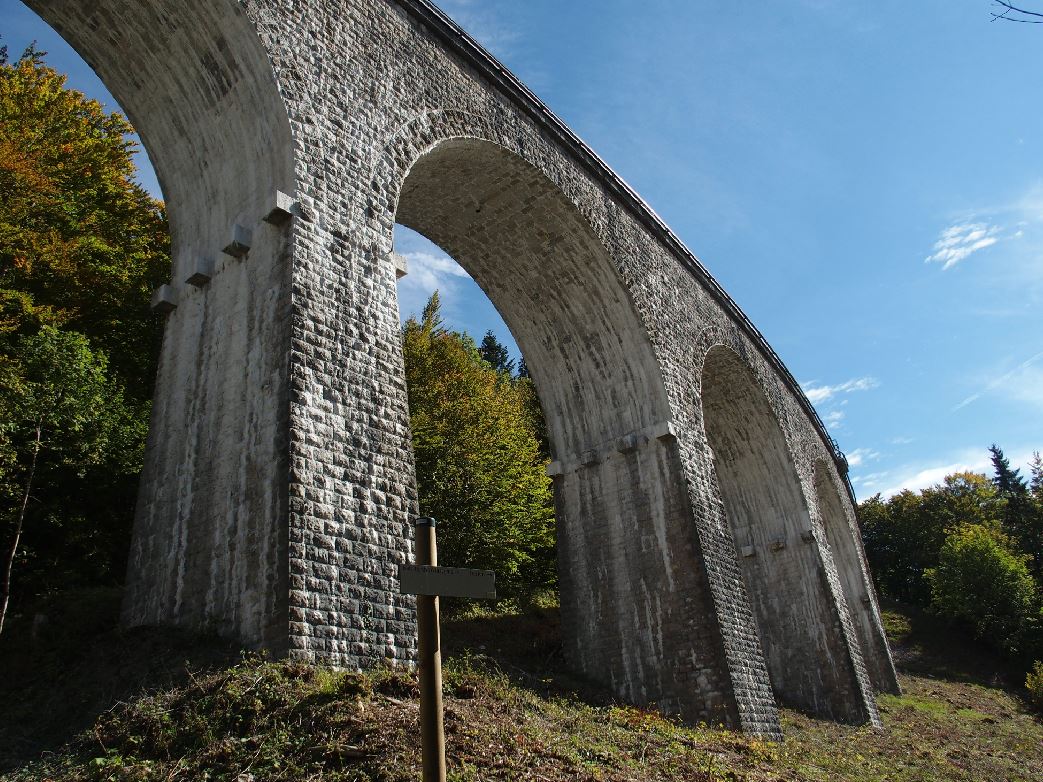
x: 446, y: 581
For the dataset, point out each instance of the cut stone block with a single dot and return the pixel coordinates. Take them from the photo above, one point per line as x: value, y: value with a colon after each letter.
x: 401, y: 265
x: 665, y: 431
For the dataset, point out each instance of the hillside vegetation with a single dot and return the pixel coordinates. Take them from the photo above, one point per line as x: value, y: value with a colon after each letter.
x: 132, y: 708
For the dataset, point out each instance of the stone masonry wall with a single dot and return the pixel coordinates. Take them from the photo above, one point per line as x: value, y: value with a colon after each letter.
x: 279, y: 487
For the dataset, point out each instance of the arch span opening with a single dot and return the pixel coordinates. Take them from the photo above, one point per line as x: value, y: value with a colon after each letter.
x: 551, y: 280
x: 854, y: 581
x: 802, y: 642
x: 633, y: 608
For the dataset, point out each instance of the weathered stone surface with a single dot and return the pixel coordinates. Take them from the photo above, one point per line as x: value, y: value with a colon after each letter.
x: 709, y: 556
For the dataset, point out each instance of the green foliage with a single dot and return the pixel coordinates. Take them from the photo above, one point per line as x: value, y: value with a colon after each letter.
x: 981, y: 582
x: 1034, y: 683
x: 62, y: 417
x: 904, y: 534
x: 81, y: 244
x: 81, y: 247
x: 480, y: 464
x: 971, y: 549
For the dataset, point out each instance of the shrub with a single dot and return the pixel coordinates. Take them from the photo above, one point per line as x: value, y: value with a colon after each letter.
x: 1034, y: 684
x: 981, y: 582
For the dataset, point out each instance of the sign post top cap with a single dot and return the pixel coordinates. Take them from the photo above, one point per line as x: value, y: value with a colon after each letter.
x: 426, y: 521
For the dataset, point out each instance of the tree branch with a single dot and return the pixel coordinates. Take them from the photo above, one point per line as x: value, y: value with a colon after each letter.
x: 1012, y: 9
x: 5, y: 586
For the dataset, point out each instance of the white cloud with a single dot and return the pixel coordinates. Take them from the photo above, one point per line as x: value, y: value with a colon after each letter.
x: 817, y: 394
x: 961, y: 240
x: 859, y: 456
x: 833, y: 417
x: 919, y: 476
x: 428, y: 272
x: 1023, y: 383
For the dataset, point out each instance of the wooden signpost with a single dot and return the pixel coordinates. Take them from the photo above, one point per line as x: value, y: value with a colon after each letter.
x: 428, y: 581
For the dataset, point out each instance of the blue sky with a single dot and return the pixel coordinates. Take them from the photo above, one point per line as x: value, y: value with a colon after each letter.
x: 865, y: 179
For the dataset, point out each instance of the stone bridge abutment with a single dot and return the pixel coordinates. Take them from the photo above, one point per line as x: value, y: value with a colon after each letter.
x: 708, y: 552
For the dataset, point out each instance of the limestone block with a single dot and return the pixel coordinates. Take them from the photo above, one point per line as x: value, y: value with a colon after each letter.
x: 282, y: 209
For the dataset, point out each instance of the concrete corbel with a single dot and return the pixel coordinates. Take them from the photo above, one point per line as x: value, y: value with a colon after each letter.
x: 164, y: 299
x: 202, y: 271
x: 282, y: 209
x: 242, y: 238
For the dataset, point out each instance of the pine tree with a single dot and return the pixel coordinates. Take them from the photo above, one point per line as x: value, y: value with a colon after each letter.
x: 1020, y: 519
x: 1036, y: 481
x: 496, y: 353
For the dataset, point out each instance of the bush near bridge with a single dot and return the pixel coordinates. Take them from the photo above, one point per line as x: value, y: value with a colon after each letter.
x: 970, y: 550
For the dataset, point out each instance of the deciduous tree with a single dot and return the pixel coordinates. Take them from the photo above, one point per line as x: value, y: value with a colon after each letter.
x: 81, y: 247
x: 980, y: 581
x: 60, y: 411
x: 480, y: 469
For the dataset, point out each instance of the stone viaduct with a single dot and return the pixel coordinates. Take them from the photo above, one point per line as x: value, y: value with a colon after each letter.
x: 709, y: 556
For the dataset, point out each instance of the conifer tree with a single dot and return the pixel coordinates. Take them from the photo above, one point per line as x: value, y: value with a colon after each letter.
x: 1021, y: 519
x: 496, y: 353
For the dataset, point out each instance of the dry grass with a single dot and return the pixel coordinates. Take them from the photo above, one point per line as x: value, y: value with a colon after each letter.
x: 512, y: 713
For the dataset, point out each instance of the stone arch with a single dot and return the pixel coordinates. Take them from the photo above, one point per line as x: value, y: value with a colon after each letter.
x: 552, y: 281
x: 210, y: 540
x: 803, y: 642
x: 843, y: 538
x: 625, y: 530
x: 200, y: 89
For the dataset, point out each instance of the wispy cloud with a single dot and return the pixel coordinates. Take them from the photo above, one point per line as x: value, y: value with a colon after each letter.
x: 859, y: 456
x: 1024, y: 382
x: 817, y: 394
x: 959, y: 241
x: 833, y: 418
x: 917, y: 476
x: 1016, y: 222
x: 428, y: 272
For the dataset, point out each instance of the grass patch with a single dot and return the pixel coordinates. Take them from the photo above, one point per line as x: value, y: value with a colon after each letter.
x: 513, y: 712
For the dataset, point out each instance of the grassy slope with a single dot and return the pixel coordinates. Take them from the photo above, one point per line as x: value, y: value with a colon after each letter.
x: 512, y: 712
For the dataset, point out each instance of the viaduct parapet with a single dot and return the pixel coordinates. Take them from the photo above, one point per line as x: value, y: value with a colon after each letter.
x: 709, y: 555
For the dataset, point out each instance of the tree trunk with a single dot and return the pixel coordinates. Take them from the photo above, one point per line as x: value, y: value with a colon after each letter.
x: 9, y: 563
